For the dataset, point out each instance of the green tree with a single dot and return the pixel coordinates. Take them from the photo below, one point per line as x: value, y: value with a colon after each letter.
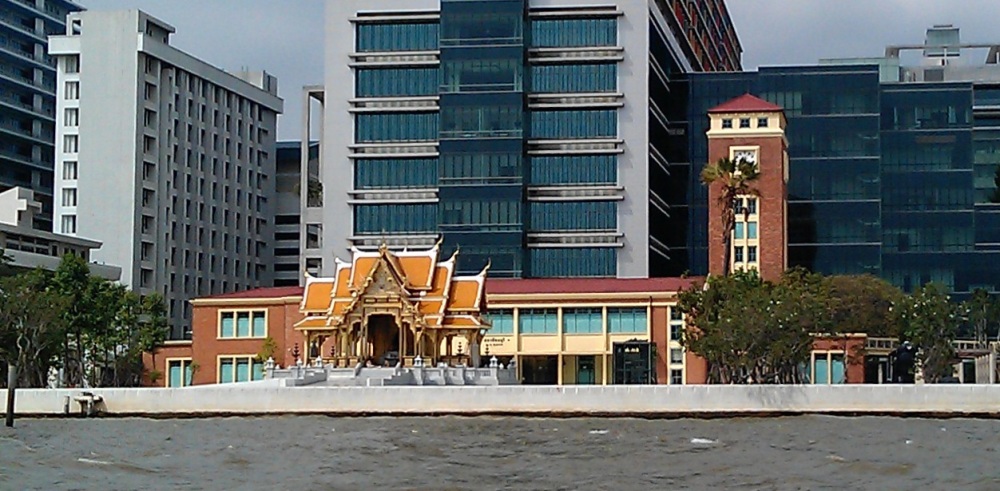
x: 930, y: 320
x: 981, y: 313
x: 29, y: 330
x: 863, y: 304
x: 734, y: 179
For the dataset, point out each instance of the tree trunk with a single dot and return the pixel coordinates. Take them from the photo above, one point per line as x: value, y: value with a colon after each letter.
x: 11, y: 385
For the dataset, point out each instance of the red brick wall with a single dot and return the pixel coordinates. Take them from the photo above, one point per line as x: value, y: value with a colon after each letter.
x: 772, y: 256
x: 660, y: 330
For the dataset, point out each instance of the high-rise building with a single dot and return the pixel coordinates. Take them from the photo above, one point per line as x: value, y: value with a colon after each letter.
x: 167, y: 160
x: 27, y: 97
x: 529, y: 133
x: 893, y: 163
x: 289, y: 234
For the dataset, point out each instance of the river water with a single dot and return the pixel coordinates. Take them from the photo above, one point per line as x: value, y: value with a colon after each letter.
x: 450, y: 453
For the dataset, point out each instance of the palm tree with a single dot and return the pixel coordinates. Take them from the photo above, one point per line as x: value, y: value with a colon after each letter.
x: 735, y: 179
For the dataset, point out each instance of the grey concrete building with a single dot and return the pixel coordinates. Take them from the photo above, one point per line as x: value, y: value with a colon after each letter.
x: 28, y: 97
x: 167, y: 160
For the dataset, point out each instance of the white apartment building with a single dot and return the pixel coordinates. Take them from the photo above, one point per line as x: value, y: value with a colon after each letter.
x: 164, y: 158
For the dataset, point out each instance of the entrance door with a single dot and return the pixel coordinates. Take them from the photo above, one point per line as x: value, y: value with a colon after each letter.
x: 383, y: 334
x: 585, y: 372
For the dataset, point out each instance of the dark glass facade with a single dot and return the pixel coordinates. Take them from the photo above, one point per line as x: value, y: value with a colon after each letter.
x: 893, y: 179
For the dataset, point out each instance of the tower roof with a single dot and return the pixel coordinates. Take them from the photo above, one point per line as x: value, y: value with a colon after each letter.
x: 746, y: 103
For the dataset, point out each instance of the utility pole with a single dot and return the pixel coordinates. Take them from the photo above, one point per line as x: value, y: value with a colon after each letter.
x: 11, y: 385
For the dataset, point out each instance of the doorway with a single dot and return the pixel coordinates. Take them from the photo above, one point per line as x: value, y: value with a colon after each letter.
x: 586, y: 373
x: 383, y: 334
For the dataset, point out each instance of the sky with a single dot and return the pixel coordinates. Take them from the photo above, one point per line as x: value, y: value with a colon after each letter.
x: 285, y: 37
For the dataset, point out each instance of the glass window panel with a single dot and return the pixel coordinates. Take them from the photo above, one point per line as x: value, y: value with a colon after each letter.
x: 576, y: 169
x: 582, y: 321
x: 175, y: 377
x: 396, y: 127
x: 257, y: 372
x: 752, y: 230
x: 574, y: 78
x: 380, y: 219
x: 738, y: 230
x: 837, y: 373
x: 568, y: 33
x: 227, y: 329
x: 242, y: 324
x: 821, y: 367
x: 627, y: 320
x: 502, y: 320
x: 259, y: 324
x: 226, y: 371
x: 395, y: 173
x: 573, y: 262
x: 483, y: 75
x: 538, y: 321
x: 188, y: 374
x: 574, y: 215
x: 242, y: 369
x: 397, y: 37
x: 396, y: 82
x: 574, y: 124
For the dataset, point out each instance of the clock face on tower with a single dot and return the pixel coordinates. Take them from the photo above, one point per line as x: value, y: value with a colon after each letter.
x: 749, y: 156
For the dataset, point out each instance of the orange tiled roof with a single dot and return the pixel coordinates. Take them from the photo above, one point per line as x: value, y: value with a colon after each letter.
x: 428, y: 287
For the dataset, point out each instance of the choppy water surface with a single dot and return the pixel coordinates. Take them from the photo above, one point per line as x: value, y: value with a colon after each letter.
x: 501, y: 453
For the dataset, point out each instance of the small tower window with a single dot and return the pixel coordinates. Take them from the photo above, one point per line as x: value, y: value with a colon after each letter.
x: 727, y: 123
x: 744, y: 122
x: 762, y: 122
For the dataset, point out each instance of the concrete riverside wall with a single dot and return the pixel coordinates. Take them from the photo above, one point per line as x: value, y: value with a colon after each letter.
x: 267, y: 397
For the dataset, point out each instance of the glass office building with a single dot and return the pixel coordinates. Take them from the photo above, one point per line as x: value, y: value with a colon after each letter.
x: 524, y: 133
x: 28, y: 97
x: 892, y: 169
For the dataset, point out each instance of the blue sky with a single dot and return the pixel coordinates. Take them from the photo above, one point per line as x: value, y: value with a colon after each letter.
x: 285, y: 37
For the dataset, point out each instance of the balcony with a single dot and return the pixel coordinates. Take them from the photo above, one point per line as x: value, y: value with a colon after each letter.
x: 13, y: 129
x: 10, y: 99
x: 14, y: 23
x: 14, y: 75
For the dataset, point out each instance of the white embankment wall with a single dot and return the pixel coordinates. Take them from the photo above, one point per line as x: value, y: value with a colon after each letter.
x: 704, y: 400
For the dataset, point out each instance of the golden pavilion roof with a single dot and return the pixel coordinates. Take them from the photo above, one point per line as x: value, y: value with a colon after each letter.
x: 428, y: 289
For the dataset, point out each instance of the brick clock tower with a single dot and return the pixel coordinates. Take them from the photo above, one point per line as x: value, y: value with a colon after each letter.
x: 752, y: 129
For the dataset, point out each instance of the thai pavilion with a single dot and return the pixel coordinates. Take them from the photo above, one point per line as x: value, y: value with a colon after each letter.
x: 387, y: 306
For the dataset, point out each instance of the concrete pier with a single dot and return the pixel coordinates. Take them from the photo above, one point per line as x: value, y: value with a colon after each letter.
x: 268, y: 397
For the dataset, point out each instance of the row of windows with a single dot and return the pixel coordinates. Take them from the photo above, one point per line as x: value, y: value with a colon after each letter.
x: 500, y: 213
x: 395, y: 173
x: 243, y: 324
x: 627, y: 320
x: 576, y: 169
x: 179, y: 373
x: 481, y: 28
x: 555, y: 33
x: 395, y: 82
x: 397, y: 37
x: 574, y: 124
x: 485, y: 75
x: 378, y: 219
x: 396, y: 127
x: 481, y: 122
x: 480, y: 167
x: 574, y: 215
x: 574, y: 78
x: 749, y: 227
x: 580, y: 262
x: 240, y: 369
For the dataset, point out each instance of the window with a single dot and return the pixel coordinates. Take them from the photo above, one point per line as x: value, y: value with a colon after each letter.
x: 752, y: 206
x: 574, y: 124
x: 828, y: 368
x: 573, y: 262
x: 71, y: 117
x: 677, y: 377
x: 69, y: 224
x: 73, y: 64
x: 382, y: 219
x: 573, y: 215
x: 676, y: 356
x: 392, y: 127
x: 72, y: 91
x: 583, y: 321
x: 240, y: 369
x: 738, y: 230
x: 752, y: 254
x: 71, y: 143
x: 727, y: 123
x: 752, y: 230
x: 179, y: 373
x: 627, y: 320
x: 738, y: 254
x: 573, y: 169
x: 69, y: 197
x: 70, y: 170
x: 395, y: 173
x: 502, y: 320
x: 243, y: 324
x: 676, y: 324
x: 573, y: 33
x: 397, y: 37
x: 744, y: 122
x: 537, y: 321
x: 574, y: 78
x: 762, y: 122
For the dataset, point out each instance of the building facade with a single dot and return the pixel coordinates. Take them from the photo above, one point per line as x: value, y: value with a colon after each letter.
x: 28, y: 97
x: 169, y: 161
x: 892, y: 166
x: 290, y: 234
x: 527, y: 133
